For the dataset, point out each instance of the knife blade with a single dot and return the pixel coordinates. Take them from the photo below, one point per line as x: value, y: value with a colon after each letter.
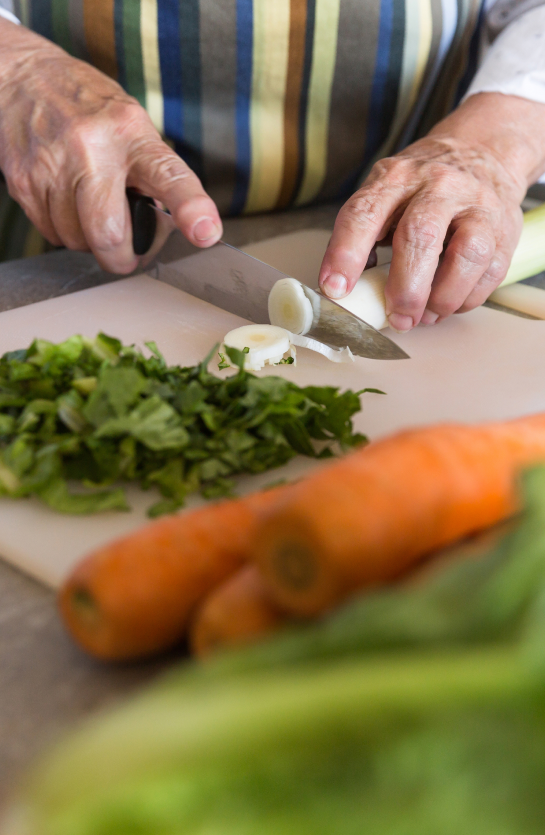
x: 237, y: 282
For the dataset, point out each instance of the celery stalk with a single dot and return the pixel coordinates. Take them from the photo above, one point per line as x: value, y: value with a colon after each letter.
x: 529, y: 256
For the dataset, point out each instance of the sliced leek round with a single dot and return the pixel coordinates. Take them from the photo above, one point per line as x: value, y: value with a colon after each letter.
x: 289, y: 307
x: 290, y: 302
x: 264, y: 344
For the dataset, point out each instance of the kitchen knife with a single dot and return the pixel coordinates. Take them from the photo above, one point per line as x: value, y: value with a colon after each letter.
x: 239, y: 283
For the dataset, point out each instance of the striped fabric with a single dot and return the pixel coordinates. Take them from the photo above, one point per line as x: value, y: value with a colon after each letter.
x: 276, y: 102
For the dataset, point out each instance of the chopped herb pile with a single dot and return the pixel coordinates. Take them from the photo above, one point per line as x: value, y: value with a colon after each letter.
x: 78, y: 418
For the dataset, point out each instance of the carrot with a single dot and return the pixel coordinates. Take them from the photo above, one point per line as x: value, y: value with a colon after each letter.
x: 134, y: 597
x: 237, y: 612
x: 376, y: 513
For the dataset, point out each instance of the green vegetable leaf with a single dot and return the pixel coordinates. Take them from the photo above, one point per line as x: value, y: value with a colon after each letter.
x: 69, y: 410
x: 96, y: 412
x: 122, y: 386
x: 58, y: 497
x: 236, y: 356
x: 106, y: 348
x: 153, y: 422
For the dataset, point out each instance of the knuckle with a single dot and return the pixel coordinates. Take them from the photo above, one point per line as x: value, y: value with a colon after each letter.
x: 170, y: 169
x: 85, y: 131
x: 86, y: 139
x: 362, y: 209
x: 380, y: 169
x: 89, y: 138
x: 106, y: 235
x: 476, y: 249
x: 420, y: 233
x: 392, y: 168
x: 391, y: 172
x: 132, y: 120
x: 496, y: 270
x: 488, y: 282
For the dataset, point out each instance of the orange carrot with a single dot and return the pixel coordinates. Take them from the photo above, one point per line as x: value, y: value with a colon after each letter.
x: 236, y: 613
x: 373, y: 515
x: 135, y: 596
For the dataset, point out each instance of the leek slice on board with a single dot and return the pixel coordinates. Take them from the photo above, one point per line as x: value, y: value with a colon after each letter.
x: 268, y: 345
x: 262, y: 344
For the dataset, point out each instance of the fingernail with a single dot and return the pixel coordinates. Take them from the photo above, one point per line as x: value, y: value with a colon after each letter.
x: 205, y: 229
x: 400, y: 323
x: 429, y: 317
x: 335, y: 286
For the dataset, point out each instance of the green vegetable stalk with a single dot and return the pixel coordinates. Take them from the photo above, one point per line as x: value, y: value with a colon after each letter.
x: 79, y: 418
x: 419, y: 710
x: 529, y: 256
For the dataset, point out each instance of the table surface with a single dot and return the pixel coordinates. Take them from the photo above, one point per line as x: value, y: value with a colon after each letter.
x: 46, y: 683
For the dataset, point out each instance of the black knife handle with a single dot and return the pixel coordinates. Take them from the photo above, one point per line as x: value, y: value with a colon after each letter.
x: 143, y: 219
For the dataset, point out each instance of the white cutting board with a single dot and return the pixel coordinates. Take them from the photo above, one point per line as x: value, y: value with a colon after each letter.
x: 480, y: 366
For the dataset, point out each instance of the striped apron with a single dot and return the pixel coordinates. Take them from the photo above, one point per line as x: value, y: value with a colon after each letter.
x: 274, y: 103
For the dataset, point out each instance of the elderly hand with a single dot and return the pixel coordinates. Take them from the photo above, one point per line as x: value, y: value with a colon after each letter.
x: 450, y: 205
x: 71, y: 141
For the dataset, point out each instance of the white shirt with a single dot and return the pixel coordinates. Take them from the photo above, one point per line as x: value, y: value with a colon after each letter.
x: 515, y: 62
x: 6, y: 10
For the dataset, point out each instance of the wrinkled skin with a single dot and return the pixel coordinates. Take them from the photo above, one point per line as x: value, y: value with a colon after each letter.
x: 71, y: 140
x: 450, y: 206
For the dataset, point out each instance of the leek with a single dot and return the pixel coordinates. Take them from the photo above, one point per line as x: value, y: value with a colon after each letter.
x: 529, y: 256
x: 288, y: 305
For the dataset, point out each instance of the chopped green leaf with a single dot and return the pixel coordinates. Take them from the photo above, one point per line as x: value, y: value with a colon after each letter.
x: 85, y: 385
x: 78, y: 418
x: 236, y: 356
x: 57, y: 496
x: 370, y: 391
x: 223, y: 362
